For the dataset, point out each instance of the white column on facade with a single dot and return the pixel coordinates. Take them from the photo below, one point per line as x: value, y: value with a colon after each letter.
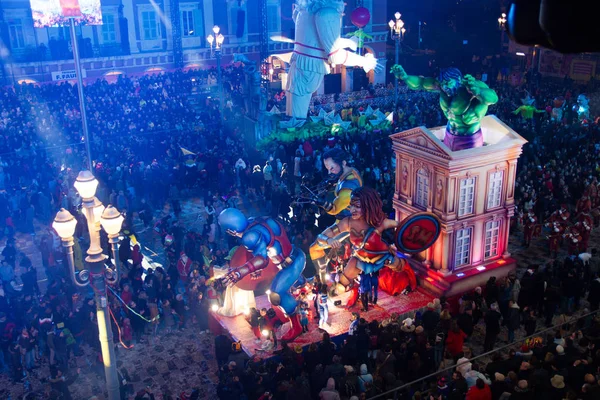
x: 130, y: 14
x: 209, y: 18
x: 167, y: 24
x: 447, y: 252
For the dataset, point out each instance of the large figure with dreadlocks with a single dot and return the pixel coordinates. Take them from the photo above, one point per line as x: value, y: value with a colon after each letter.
x: 366, y: 226
x: 463, y: 99
x: 346, y: 179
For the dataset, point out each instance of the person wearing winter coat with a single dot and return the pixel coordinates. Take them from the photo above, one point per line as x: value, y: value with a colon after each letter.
x: 455, y: 340
x: 480, y: 391
x: 365, y: 379
x: 329, y: 392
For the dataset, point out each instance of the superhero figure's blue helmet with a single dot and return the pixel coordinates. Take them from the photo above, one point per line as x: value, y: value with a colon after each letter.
x: 233, y: 219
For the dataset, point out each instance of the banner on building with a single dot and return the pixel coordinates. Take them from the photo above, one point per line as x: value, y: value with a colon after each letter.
x: 582, y: 70
x: 66, y: 75
x: 554, y: 64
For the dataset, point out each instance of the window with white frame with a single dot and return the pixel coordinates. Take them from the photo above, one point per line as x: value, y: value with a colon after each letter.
x: 149, y: 25
x: 492, y: 234
x: 187, y: 23
x: 462, y: 251
x: 422, y: 198
x: 109, y: 31
x: 273, y: 17
x: 15, y: 29
x: 467, y: 196
x: 494, y: 194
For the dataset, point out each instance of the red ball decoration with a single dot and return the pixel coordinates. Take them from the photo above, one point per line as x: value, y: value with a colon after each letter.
x: 360, y: 17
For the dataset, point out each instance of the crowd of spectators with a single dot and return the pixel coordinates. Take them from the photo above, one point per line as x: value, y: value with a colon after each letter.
x: 138, y: 127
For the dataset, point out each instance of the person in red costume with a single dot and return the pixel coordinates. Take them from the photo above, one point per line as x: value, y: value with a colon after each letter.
x: 370, y: 252
x: 184, y: 267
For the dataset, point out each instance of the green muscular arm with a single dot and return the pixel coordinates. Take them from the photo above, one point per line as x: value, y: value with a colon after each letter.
x: 480, y: 90
x: 415, y: 82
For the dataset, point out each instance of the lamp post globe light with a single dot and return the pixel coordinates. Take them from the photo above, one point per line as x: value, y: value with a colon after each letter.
x: 97, y: 274
x: 218, y: 40
x: 397, y: 31
x: 502, y: 27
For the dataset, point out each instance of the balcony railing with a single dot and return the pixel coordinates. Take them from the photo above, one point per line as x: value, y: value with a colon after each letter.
x: 61, y: 50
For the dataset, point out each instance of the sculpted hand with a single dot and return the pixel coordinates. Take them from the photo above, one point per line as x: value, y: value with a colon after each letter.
x: 234, y: 233
x: 472, y: 85
x: 324, y: 204
x: 370, y: 63
x: 334, y: 243
x: 399, y: 72
x: 255, y: 275
x: 232, y: 277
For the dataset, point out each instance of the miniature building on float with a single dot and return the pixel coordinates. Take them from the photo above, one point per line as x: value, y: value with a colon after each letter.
x: 472, y: 193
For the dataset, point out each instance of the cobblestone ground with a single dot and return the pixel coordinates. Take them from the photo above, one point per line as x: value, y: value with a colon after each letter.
x: 182, y: 361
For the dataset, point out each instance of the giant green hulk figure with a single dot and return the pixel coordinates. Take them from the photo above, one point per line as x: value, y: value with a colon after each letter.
x: 464, y: 101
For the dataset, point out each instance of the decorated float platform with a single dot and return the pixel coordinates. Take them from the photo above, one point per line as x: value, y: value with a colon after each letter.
x: 238, y: 328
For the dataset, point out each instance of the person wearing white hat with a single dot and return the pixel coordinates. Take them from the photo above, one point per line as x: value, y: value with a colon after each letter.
x: 407, y: 326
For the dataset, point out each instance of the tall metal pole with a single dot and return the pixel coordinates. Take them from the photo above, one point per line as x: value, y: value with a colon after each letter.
x: 397, y: 61
x: 95, y: 260
x: 220, y: 82
x: 84, y: 124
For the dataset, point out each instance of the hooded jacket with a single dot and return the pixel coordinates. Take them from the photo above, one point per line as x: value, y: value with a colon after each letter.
x: 364, y: 379
x: 329, y: 392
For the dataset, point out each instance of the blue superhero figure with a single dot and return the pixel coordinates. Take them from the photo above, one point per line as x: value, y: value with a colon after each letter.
x: 267, y: 240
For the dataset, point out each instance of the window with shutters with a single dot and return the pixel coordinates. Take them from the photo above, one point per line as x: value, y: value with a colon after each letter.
x: 15, y: 31
x: 494, y: 195
x: 462, y: 251
x: 467, y: 196
x: 492, y: 234
x: 422, y: 195
x: 187, y: 23
x: 149, y: 25
x: 109, y: 32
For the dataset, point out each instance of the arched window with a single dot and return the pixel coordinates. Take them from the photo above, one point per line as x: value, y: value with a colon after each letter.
x: 422, y: 198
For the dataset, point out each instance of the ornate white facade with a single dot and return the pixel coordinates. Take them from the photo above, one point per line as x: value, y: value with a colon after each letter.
x: 472, y: 193
x: 137, y: 36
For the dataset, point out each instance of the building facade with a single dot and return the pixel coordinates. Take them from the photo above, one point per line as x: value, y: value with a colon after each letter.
x: 470, y: 191
x: 138, y: 36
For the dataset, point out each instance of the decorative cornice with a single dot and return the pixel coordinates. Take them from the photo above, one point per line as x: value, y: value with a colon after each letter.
x: 424, y: 149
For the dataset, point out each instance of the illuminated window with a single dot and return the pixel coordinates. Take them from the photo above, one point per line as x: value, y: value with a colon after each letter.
x: 149, y: 25
x: 492, y: 234
x: 466, y: 199
x: 462, y: 251
x: 15, y: 30
x: 109, y: 33
x: 422, y: 188
x: 495, y: 189
x: 187, y: 23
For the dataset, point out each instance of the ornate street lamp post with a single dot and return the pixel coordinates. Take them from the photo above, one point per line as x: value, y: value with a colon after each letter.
x: 397, y: 31
x: 218, y: 40
x: 98, y: 274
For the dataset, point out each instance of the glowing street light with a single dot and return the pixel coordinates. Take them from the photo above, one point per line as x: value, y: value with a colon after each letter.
x: 397, y: 28
x: 397, y: 31
x: 111, y: 220
x: 218, y: 40
x: 502, y: 21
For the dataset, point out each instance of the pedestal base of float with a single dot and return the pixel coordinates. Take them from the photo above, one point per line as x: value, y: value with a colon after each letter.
x: 339, y: 319
x: 461, y: 281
